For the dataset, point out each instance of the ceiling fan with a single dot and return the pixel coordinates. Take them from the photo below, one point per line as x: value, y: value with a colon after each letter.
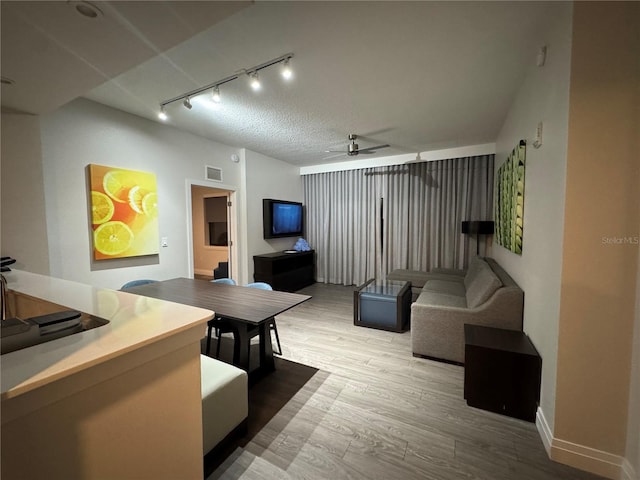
x: 354, y: 150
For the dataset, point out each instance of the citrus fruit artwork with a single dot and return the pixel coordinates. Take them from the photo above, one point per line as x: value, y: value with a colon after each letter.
x: 124, y: 212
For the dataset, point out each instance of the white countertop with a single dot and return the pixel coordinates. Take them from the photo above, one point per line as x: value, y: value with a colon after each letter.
x: 134, y: 321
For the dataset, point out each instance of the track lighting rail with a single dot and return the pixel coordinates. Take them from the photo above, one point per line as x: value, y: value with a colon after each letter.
x: 200, y: 90
x: 246, y: 71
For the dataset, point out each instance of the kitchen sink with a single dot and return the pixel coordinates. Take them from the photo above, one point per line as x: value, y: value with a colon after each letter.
x: 36, y: 321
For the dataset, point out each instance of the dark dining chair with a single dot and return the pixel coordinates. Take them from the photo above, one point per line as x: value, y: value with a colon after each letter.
x: 218, y: 323
x: 272, y: 321
x: 222, y: 326
x: 136, y: 283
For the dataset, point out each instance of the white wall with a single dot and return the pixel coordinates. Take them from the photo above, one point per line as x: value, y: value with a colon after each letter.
x: 266, y: 178
x: 84, y: 132
x: 543, y: 96
x: 24, y: 233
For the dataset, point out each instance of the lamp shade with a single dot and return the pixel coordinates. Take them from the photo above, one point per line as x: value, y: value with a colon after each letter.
x: 477, y: 227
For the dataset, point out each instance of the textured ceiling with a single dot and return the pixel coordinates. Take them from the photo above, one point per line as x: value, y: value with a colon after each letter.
x: 417, y: 75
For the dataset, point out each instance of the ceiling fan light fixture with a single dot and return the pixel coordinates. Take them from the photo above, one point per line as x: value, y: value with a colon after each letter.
x: 353, y: 148
x: 254, y: 81
x: 215, y: 96
x: 163, y: 115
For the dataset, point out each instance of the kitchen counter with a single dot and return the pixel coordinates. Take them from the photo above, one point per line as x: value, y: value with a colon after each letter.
x: 134, y: 321
x: 103, y: 386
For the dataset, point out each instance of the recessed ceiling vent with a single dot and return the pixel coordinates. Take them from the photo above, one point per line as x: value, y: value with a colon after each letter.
x: 213, y: 173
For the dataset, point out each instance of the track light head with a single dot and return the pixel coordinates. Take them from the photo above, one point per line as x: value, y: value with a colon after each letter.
x: 187, y: 103
x: 254, y: 81
x: 162, y: 115
x: 286, y: 71
x: 216, y: 94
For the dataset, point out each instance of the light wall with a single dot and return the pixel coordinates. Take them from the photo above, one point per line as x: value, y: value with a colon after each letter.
x: 23, y: 230
x: 84, y: 132
x: 600, y: 254
x: 543, y: 97
x: 266, y: 177
x: 50, y: 191
x: 583, y: 189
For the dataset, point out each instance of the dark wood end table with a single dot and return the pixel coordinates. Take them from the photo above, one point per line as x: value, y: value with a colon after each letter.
x: 502, y: 371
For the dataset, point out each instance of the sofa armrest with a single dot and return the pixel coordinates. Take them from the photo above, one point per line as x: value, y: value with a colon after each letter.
x: 418, y: 279
x: 438, y: 331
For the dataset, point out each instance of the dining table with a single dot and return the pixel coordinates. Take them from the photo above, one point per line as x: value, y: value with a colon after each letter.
x: 245, y: 308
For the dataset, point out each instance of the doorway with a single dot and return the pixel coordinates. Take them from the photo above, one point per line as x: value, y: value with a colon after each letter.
x: 211, y: 232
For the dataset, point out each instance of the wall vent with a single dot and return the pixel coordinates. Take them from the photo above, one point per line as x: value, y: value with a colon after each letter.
x: 213, y: 173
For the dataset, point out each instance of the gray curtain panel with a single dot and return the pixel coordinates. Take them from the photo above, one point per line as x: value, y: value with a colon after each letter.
x: 365, y: 223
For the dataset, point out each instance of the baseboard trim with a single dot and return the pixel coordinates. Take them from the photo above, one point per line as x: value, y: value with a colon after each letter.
x: 628, y: 472
x: 585, y: 458
x: 588, y: 459
x: 544, y: 430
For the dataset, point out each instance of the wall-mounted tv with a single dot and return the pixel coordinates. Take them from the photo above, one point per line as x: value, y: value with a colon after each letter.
x: 281, y: 218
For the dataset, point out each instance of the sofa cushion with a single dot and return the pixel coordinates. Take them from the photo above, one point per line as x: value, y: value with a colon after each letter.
x: 441, y: 300
x: 445, y: 286
x: 447, y: 277
x: 453, y: 272
x: 416, y: 277
x: 475, y: 264
x: 484, y: 284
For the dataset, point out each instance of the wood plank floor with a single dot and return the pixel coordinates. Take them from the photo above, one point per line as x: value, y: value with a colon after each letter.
x: 373, y: 411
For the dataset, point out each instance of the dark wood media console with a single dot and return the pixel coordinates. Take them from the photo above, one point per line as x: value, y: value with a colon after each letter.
x: 286, y: 272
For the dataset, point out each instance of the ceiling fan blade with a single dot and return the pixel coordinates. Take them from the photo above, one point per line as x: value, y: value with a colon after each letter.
x: 329, y: 157
x: 335, y: 151
x: 373, y: 148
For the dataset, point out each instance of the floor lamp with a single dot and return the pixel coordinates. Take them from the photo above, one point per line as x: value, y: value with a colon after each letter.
x: 478, y: 228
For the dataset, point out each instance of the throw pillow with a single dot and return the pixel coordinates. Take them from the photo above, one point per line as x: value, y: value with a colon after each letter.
x: 485, y: 283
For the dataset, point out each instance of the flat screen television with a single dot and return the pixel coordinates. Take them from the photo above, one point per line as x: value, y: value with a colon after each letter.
x: 281, y: 218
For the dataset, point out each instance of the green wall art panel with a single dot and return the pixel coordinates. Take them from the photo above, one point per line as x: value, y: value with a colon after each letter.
x: 509, y: 200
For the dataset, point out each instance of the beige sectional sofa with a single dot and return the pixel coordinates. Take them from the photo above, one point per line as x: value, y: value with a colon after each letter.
x: 483, y: 295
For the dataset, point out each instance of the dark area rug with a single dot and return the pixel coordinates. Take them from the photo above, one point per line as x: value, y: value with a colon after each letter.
x: 266, y: 398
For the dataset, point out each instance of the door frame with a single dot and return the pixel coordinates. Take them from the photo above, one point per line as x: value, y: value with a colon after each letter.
x: 232, y: 219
